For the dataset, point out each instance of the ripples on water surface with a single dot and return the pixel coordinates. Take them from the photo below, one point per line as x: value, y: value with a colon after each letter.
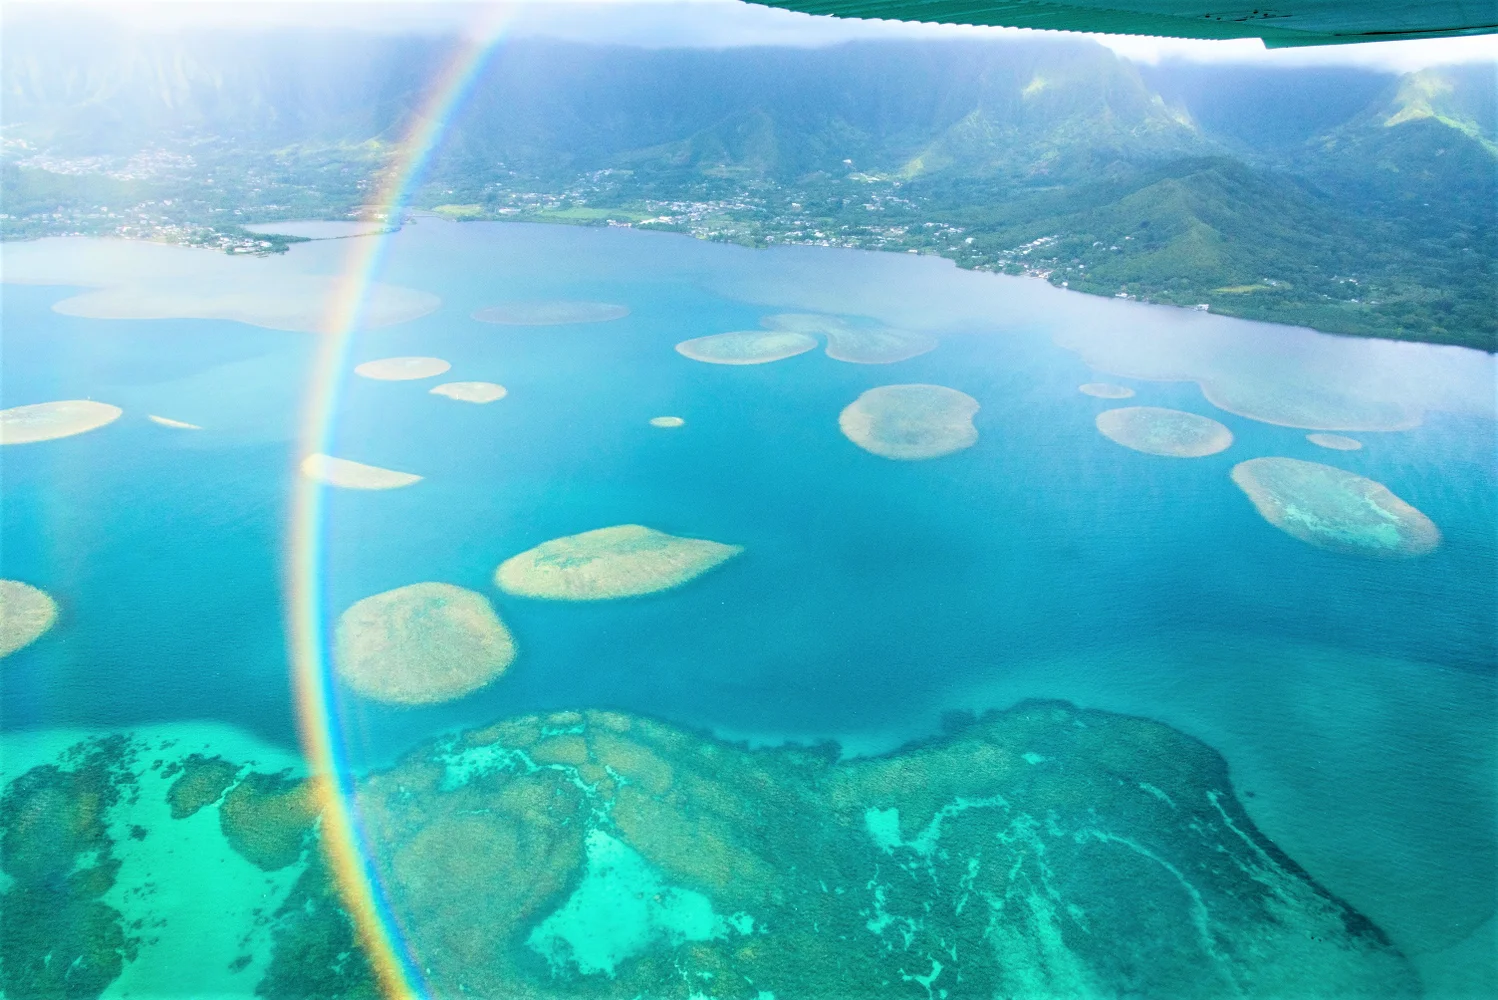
x: 1344, y: 836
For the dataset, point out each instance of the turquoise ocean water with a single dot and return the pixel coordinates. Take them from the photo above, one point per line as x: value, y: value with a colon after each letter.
x: 1354, y: 699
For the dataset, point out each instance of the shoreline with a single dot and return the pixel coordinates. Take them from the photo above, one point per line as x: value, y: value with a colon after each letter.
x: 267, y: 229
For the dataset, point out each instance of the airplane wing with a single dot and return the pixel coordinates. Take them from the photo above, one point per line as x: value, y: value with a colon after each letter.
x: 1277, y: 22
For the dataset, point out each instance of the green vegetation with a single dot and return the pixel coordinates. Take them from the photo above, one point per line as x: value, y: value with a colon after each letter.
x: 460, y: 212
x: 1054, y: 159
x: 40, y: 203
x: 586, y: 214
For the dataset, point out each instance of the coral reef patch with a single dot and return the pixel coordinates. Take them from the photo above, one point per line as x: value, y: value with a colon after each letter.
x: 911, y: 422
x: 421, y: 644
x: 746, y: 347
x: 26, y: 613
x: 126, y: 873
x: 268, y: 818
x: 1155, y: 430
x: 58, y: 938
x: 1041, y: 851
x: 315, y: 948
x: 1044, y: 850
x: 1335, y: 509
x: 626, y: 560
x: 201, y: 781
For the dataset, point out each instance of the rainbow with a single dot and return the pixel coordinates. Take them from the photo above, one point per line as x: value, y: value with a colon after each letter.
x: 398, y: 971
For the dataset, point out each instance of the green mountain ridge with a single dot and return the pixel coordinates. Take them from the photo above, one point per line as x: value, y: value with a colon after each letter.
x: 1368, y: 209
x: 1429, y: 143
x: 1467, y: 105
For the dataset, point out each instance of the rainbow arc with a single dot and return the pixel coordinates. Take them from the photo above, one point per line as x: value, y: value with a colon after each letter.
x: 400, y: 972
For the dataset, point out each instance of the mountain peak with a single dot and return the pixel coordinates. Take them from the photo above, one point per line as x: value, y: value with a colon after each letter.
x: 1461, y: 98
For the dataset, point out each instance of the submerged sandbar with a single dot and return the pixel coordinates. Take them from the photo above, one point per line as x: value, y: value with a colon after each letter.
x: 1156, y: 430
x: 354, y: 475
x: 26, y: 613
x: 1335, y: 509
x: 911, y: 422
x: 812, y: 323
x: 878, y: 346
x: 1105, y: 390
x: 625, y: 560
x: 1336, y: 442
x: 401, y: 369
x: 471, y: 392
x: 667, y: 422
x: 746, y: 347
x: 421, y: 644
x: 181, y: 425
x: 49, y: 421
x: 300, y: 302
x: 550, y: 312
x: 868, y: 344
x: 1286, y: 376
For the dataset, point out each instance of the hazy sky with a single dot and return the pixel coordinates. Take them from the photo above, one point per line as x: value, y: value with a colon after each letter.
x: 706, y: 24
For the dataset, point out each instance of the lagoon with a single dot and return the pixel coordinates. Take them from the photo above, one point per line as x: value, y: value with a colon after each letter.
x: 1353, y: 699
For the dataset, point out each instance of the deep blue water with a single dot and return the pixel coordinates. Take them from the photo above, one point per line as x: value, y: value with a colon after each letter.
x: 872, y: 595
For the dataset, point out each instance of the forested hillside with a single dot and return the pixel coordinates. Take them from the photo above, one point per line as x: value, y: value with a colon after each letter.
x: 1346, y: 200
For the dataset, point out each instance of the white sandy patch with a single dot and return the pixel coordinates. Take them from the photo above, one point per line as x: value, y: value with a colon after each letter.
x: 1105, y: 390
x: 169, y: 422
x: 401, y: 369
x: 354, y: 475
x: 471, y: 392
x: 49, y: 421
